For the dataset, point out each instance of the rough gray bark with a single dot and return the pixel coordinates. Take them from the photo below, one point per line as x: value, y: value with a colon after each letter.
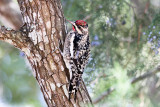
x: 41, y: 39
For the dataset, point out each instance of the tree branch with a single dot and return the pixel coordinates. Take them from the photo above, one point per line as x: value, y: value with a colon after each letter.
x: 134, y: 80
x: 13, y: 37
x: 10, y: 14
x: 103, y: 95
x: 144, y: 76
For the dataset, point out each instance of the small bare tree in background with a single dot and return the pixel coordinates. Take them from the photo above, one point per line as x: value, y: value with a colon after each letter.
x: 41, y: 38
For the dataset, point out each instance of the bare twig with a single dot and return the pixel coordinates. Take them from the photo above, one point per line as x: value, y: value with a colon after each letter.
x: 87, y: 17
x: 144, y: 76
x: 139, y: 34
x: 129, y: 4
x: 103, y: 95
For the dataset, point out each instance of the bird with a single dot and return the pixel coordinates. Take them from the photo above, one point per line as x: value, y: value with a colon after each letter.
x: 76, y: 53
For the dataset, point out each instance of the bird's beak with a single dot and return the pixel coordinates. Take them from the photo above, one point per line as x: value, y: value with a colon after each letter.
x: 75, y: 27
x: 71, y: 22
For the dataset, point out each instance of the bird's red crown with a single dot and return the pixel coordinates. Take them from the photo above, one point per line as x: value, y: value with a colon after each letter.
x: 80, y: 23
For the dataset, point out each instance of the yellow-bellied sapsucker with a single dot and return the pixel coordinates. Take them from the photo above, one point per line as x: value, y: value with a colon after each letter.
x: 76, y: 53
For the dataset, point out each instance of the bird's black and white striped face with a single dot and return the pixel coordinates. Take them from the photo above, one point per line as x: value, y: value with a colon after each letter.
x: 80, y: 26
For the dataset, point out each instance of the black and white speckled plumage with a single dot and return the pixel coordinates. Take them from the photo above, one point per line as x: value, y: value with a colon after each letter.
x: 76, y: 54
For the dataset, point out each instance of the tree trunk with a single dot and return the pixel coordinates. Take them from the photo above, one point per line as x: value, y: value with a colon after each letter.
x: 41, y: 39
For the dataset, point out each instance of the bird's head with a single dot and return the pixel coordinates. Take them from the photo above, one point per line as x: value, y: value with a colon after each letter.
x: 80, y: 26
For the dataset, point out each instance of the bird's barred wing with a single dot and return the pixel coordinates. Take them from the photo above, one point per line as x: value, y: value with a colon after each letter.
x: 68, y: 45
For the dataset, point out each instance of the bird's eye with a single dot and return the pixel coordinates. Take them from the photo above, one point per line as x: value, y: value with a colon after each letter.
x: 85, y: 26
